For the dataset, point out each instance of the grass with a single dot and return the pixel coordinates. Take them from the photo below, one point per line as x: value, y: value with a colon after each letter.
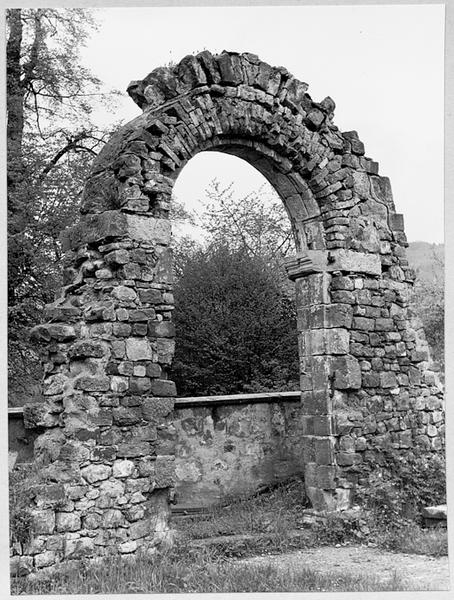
x: 180, y: 570
x: 414, y: 540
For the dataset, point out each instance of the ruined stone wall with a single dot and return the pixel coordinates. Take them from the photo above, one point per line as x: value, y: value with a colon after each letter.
x: 366, y: 381
x: 106, y: 457
x: 226, y: 449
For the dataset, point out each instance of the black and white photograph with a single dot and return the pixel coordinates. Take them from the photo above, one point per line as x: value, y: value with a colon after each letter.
x: 225, y: 286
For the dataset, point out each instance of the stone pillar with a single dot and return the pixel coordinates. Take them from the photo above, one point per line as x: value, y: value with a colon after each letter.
x: 106, y: 453
x: 367, y: 384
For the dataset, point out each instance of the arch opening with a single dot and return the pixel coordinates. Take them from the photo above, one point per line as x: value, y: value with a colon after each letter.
x: 241, y: 251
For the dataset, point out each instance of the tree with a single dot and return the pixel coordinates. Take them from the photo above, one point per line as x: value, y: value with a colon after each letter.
x: 256, y: 222
x: 51, y: 141
x: 236, y: 328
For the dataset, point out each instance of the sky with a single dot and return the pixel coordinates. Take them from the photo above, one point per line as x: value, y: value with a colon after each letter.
x: 382, y: 65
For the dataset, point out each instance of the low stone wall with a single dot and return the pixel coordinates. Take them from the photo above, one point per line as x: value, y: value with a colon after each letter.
x: 225, y: 445
x: 232, y: 445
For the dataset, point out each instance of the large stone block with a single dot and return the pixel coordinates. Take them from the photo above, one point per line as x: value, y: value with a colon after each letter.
x: 326, y: 341
x: 45, y: 559
x: 123, y: 468
x: 79, y: 548
x: 161, y: 329
x: 40, y: 414
x: 141, y: 529
x: 163, y: 387
x: 43, y: 521
x: 166, y: 350
x: 88, y: 348
x: 330, y: 315
x: 320, y: 476
x: 156, y: 409
x: 321, y: 371
x: 87, y: 383
x: 321, y: 500
x: 95, y: 472
x: 66, y: 521
x: 347, y: 373
x: 313, y: 289
x: 317, y: 402
x: 114, y: 223
x: 139, y: 349
x: 381, y: 189
x: 324, y: 450
x: 164, y: 472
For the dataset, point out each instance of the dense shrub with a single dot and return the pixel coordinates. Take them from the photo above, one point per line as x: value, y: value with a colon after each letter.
x: 235, y: 325
x: 401, y: 485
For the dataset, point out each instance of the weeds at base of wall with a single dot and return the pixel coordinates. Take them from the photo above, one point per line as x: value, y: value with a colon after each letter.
x: 23, y: 481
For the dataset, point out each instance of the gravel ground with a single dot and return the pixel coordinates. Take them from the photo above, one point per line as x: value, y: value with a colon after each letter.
x: 427, y: 571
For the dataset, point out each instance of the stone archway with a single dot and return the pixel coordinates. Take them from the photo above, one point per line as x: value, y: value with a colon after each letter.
x: 366, y: 378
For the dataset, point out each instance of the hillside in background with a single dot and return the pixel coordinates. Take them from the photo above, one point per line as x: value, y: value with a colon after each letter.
x: 427, y: 259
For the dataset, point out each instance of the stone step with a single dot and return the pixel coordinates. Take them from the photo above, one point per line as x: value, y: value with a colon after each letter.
x: 435, y: 515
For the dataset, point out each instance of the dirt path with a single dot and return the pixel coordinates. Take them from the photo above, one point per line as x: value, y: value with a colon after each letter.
x: 426, y: 571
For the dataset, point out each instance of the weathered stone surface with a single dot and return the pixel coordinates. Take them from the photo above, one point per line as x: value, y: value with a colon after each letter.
x: 164, y: 472
x: 39, y: 414
x: 67, y: 521
x: 79, y: 548
x: 122, y: 468
x: 113, y: 223
x: 345, y: 260
x: 138, y: 349
x: 95, y: 472
x: 124, y: 293
x: 92, y: 384
x: 163, y: 387
x: 327, y: 341
x: 113, y: 518
x: 165, y: 349
x: 126, y: 416
x: 87, y: 348
x: 347, y: 373
x: 128, y: 547
x: 45, y: 559
x: 141, y: 529
x: 43, y: 521
x: 161, y: 329
x: 155, y: 409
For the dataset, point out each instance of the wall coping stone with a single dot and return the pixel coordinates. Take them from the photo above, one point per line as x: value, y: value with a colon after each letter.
x: 238, y: 399
x: 192, y: 401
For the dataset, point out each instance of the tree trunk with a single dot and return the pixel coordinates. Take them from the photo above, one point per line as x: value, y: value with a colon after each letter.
x: 15, y: 104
